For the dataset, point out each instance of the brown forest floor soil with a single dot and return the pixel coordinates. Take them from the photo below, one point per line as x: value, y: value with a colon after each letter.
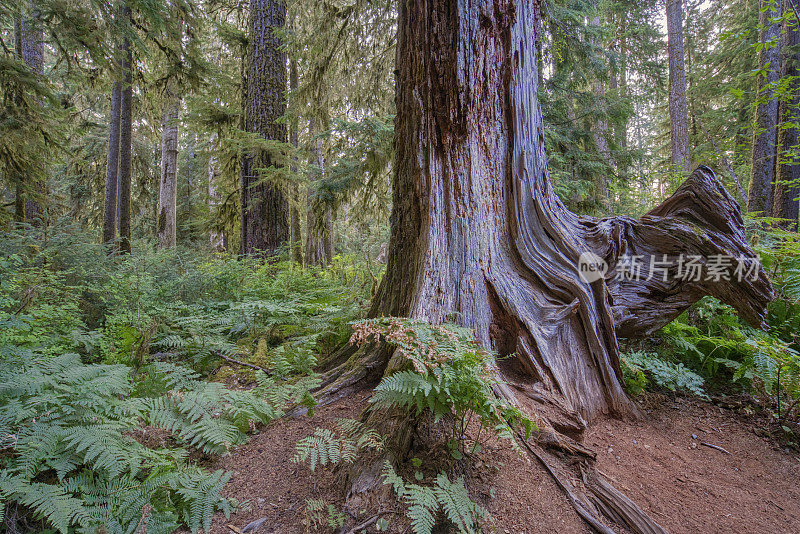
x: 683, y: 485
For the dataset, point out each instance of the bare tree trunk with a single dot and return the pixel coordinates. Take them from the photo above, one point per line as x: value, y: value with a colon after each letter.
x: 787, y: 185
x: 296, y: 239
x: 765, y: 136
x: 168, y: 189
x: 265, y: 210
x: 479, y: 236
x: 125, y: 146
x: 679, y: 128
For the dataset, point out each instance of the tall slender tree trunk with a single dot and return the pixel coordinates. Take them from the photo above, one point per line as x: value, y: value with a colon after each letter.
x: 112, y: 167
x: 679, y: 128
x: 479, y: 236
x: 217, y: 238
x: 787, y: 185
x: 125, y: 143
x: 19, y: 193
x: 265, y: 210
x: 168, y: 190
x: 296, y: 239
x: 319, y: 231
x: 31, y: 49
x: 111, y: 207
x: 600, y: 135
x: 765, y: 136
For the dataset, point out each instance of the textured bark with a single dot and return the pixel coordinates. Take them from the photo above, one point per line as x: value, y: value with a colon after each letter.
x: 31, y: 48
x: 168, y: 188
x: 296, y: 235
x: 112, y: 168
x: 600, y: 135
x: 679, y: 129
x: 217, y: 238
x: 787, y: 188
x: 125, y: 146
x: 19, y: 193
x: 265, y: 210
x: 319, y: 232
x: 479, y: 236
x: 478, y: 233
x: 765, y: 135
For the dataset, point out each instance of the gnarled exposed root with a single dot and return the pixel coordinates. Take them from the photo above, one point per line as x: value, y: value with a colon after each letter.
x: 591, y: 494
x: 555, y: 445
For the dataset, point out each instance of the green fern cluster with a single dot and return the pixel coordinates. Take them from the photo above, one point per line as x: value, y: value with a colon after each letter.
x: 69, y: 432
x: 425, y: 503
x: 327, y: 447
x: 450, y: 373
x: 669, y: 375
x: 319, y: 513
x: 713, y: 341
x: 209, y: 416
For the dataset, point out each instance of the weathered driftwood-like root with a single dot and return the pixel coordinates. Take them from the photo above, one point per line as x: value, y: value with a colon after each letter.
x: 590, y: 492
x: 701, y: 222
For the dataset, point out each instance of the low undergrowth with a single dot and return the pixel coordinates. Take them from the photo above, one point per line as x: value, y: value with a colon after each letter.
x: 710, y: 352
x: 121, y: 377
x: 449, y: 376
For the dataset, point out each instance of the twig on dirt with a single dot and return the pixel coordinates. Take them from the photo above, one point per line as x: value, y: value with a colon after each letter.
x: 237, y: 530
x: 363, y: 525
x: 711, y: 445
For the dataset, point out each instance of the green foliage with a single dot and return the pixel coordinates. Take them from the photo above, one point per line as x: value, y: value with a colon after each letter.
x: 319, y: 513
x: 98, y: 408
x: 327, y: 447
x: 73, y: 459
x: 714, y: 342
x: 424, y: 503
x: 672, y: 376
x: 450, y: 374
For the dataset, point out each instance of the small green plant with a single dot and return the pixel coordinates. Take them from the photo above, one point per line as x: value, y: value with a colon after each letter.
x: 424, y: 503
x: 327, y: 447
x: 319, y: 513
x: 71, y: 457
x: 450, y: 374
x: 672, y: 376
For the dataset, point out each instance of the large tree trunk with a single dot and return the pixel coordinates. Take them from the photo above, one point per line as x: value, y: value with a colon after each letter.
x: 479, y: 236
x: 265, y: 210
x: 787, y: 185
x: 600, y: 135
x: 112, y: 168
x: 765, y: 136
x: 216, y: 236
x: 125, y: 142
x: 679, y: 129
x: 319, y: 217
x: 30, y: 47
x: 296, y: 235
x: 168, y: 189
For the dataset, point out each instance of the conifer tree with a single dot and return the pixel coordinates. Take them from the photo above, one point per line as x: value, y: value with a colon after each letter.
x: 787, y: 183
x: 678, y: 119
x: 265, y: 209
x: 765, y: 136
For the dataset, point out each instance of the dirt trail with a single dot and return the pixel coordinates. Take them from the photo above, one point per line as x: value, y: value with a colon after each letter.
x: 685, y: 486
